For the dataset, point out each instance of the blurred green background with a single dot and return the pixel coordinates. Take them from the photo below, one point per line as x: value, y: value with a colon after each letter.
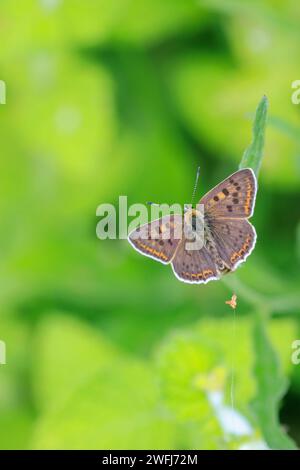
x: 105, y: 348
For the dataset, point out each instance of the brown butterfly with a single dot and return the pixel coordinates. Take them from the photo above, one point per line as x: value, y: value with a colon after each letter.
x: 228, y: 237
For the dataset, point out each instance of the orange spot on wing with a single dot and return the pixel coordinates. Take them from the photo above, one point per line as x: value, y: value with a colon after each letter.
x: 153, y: 251
x: 239, y: 254
x: 204, y: 274
x: 249, y: 195
x: 221, y: 195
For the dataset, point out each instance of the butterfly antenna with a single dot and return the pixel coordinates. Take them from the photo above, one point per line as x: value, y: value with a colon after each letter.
x: 195, y: 185
x: 150, y: 203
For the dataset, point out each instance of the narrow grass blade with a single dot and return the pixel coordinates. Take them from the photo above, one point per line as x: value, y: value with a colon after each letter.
x: 253, y: 154
x: 271, y: 386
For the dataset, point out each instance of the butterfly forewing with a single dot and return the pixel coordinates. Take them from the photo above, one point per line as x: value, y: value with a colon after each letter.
x: 193, y: 266
x: 158, y: 239
x: 233, y: 198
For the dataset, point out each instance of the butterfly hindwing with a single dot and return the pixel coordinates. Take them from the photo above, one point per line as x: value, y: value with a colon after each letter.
x: 234, y: 240
x: 234, y: 197
x: 193, y: 266
x: 158, y: 239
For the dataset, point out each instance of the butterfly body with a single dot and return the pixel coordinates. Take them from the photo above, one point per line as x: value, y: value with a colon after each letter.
x: 208, y: 241
x: 212, y: 248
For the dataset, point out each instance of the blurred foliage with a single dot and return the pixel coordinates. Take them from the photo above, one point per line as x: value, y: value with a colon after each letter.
x: 106, y: 349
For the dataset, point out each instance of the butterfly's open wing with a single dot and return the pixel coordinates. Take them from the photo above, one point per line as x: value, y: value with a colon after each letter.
x: 193, y: 266
x: 234, y: 240
x: 158, y: 239
x: 230, y: 238
x: 233, y: 198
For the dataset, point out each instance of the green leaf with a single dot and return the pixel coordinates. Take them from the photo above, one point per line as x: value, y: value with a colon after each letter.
x: 298, y: 241
x: 253, y: 154
x: 271, y: 386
